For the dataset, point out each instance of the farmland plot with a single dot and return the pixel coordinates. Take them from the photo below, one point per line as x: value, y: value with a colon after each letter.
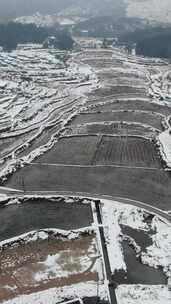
x: 143, y: 105
x: 128, y: 151
x: 122, y: 129
x: 112, y: 90
x: 102, y: 63
x: 149, y: 186
x: 71, y: 150
x: 152, y: 119
x: 58, y: 261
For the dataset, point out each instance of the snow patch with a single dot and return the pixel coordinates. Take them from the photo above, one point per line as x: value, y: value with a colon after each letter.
x: 57, y: 295
x: 146, y: 294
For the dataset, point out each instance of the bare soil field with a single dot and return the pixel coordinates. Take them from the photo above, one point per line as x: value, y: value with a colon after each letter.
x: 121, y: 129
x: 110, y: 77
x: 114, y: 90
x: 132, y: 105
x: 122, y: 74
x: 94, y: 53
x: 44, y: 264
x: 150, y: 186
x: 128, y: 151
x: 102, y: 63
x: 40, y: 214
x: 150, y: 119
x: 71, y: 150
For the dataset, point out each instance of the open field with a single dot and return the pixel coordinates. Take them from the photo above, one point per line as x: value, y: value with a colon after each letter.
x: 140, y: 105
x: 148, y: 118
x: 112, y: 90
x: 126, y: 151
x: 124, y: 73
x: 149, y: 186
x: 122, y: 129
x: 72, y: 150
x: 40, y: 214
x: 121, y: 80
x: 102, y: 63
x: 102, y: 150
x: 44, y: 264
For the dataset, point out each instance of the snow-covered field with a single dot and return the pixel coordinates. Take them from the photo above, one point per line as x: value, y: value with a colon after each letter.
x: 134, y: 294
x: 58, y: 295
x: 156, y: 255
x: 38, y: 90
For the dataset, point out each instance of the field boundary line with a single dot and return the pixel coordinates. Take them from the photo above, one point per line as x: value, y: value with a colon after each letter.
x: 94, y: 166
x: 96, y: 150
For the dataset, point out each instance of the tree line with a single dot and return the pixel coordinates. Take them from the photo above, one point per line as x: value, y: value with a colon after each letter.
x: 151, y: 42
x: 13, y: 33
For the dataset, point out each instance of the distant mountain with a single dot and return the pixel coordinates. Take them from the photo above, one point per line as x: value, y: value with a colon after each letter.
x: 152, y: 10
x: 10, y: 9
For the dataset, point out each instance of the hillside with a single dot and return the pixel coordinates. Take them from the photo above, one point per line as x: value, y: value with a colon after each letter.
x: 153, y: 10
x: 16, y: 8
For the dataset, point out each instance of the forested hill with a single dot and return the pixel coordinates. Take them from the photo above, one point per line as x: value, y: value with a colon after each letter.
x: 13, y: 33
x: 152, y: 41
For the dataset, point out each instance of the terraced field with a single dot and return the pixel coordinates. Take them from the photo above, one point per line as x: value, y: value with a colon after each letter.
x: 77, y: 150
x: 141, y: 105
x: 119, y: 90
x: 115, y: 128
x: 148, y: 118
x: 81, y: 140
x: 36, y: 96
x: 126, y: 151
x: 111, y: 114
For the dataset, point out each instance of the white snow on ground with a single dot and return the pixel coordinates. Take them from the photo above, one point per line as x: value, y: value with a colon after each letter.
x: 43, y: 234
x: 165, y: 140
x: 3, y: 197
x: 57, y: 295
x: 113, y: 236
x: 114, y: 214
x: 50, y: 93
x: 55, y: 267
x: 159, y: 253
x: 146, y: 294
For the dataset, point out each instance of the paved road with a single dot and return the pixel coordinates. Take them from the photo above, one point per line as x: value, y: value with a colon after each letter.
x: 165, y: 215
x: 148, y: 207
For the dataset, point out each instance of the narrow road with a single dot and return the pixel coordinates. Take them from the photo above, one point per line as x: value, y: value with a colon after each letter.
x: 161, y: 213
x: 95, y: 166
x: 108, y: 274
